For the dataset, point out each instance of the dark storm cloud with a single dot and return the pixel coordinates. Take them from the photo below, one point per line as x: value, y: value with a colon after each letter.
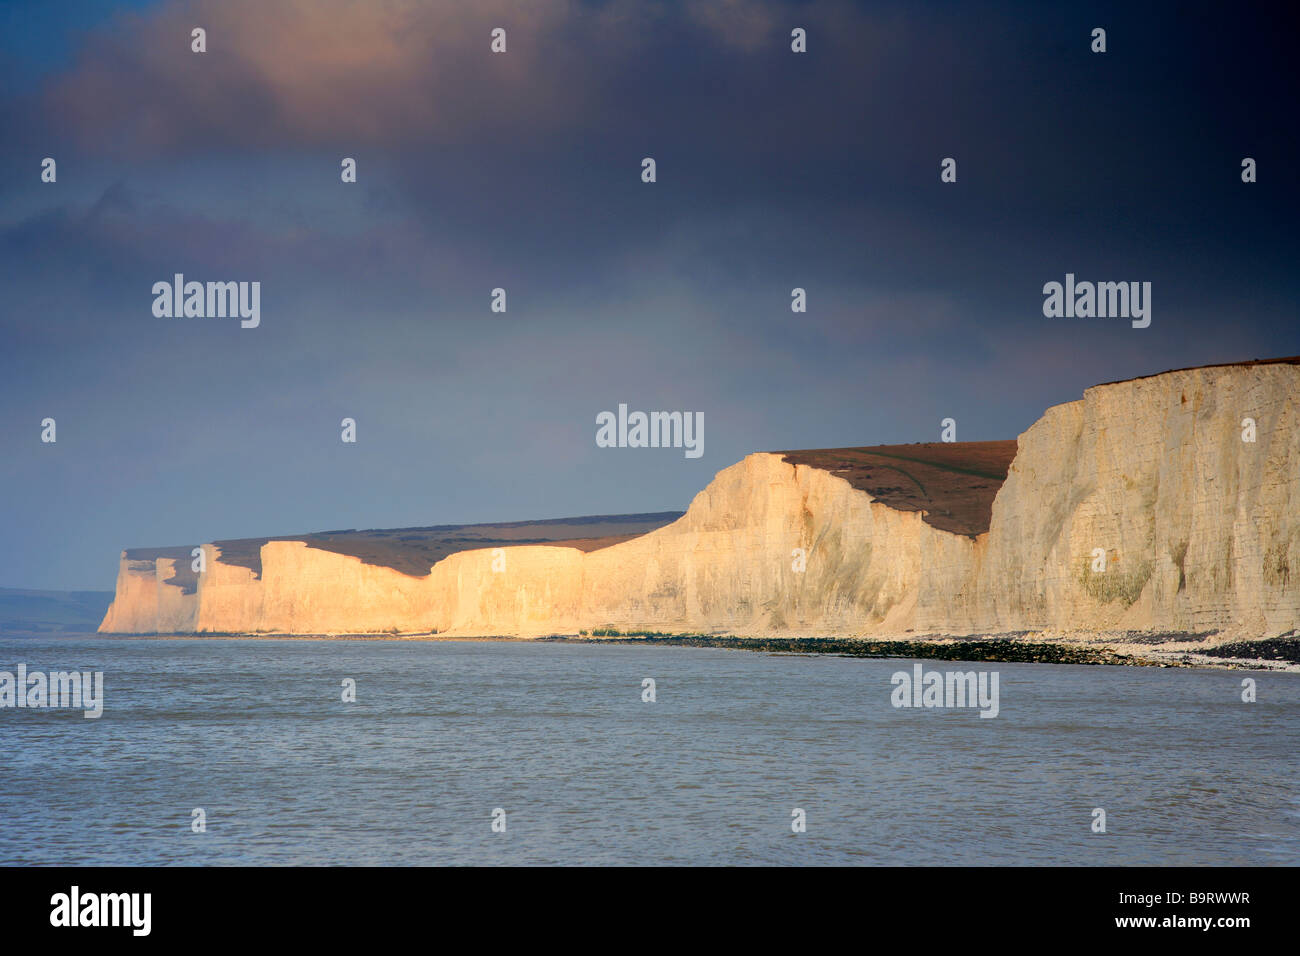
x: 522, y: 171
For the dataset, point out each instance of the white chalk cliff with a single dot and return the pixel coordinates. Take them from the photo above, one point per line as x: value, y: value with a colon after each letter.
x: 1200, y: 530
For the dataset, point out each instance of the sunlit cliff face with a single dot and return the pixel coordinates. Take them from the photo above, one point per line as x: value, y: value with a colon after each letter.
x: 1164, y: 502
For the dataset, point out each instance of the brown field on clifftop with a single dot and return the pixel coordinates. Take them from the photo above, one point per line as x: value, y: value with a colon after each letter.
x: 1284, y: 360
x: 414, y: 550
x: 954, y: 483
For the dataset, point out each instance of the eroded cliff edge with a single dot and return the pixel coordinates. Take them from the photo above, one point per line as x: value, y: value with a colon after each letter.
x: 1197, y: 526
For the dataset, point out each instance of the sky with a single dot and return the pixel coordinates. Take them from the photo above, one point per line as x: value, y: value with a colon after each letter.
x: 522, y: 170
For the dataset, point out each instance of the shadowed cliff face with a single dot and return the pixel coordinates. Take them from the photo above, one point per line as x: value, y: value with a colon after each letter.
x: 1186, y: 484
x: 954, y: 483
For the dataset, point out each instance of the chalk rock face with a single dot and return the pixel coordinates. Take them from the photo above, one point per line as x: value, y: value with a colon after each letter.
x: 730, y: 564
x: 1138, y: 507
x: 306, y: 590
x: 145, y: 604
x: 1200, y: 529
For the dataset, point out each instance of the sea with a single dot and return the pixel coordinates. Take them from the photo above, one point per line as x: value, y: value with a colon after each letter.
x: 497, y: 752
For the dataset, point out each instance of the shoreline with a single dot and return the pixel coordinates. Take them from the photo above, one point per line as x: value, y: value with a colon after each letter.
x: 1017, y: 649
x: 1281, y: 654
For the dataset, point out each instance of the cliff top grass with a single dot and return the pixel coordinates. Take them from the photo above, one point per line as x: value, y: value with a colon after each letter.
x: 954, y: 483
x: 183, y: 574
x: 1284, y: 360
x: 414, y: 550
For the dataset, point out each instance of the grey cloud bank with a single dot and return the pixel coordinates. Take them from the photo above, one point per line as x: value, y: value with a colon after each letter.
x: 522, y: 171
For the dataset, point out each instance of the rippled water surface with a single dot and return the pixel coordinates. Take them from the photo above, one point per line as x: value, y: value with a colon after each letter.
x: 255, y: 733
